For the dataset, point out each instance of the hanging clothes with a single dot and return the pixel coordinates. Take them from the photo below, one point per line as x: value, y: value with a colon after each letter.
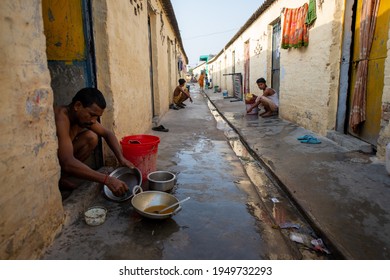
x: 295, y: 33
x: 367, y: 30
x: 311, y: 13
x: 180, y: 65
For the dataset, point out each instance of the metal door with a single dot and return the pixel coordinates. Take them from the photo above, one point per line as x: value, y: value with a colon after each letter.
x: 246, y: 67
x: 276, y: 37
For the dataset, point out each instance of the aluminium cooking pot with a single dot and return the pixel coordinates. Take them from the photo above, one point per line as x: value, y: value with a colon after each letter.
x: 161, y: 181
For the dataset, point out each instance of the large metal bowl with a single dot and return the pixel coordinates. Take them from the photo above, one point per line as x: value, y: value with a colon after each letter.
x: 144, y: 200
x: 132, y: 178
x: 161, y: 181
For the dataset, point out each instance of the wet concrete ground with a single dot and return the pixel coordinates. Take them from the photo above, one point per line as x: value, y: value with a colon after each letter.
x: 227, y: 216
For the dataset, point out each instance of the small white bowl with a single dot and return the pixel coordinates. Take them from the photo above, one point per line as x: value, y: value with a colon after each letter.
x: 95, y: 215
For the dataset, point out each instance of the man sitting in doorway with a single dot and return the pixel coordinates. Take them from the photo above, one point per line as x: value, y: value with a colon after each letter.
x: 181, y: 94
x: 269, y: 100
x: 78, y: 130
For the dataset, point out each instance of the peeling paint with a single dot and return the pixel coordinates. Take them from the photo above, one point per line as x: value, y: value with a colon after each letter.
x: 50, y: 15
x: 38, y: 147
x: 33, y: 106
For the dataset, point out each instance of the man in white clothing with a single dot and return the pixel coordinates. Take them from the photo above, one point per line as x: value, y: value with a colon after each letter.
x: 269, y: 100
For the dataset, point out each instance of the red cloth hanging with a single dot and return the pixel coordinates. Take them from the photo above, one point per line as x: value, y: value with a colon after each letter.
x: 295, y: 33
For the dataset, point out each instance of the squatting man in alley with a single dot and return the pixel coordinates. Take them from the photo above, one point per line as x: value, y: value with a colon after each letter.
x: 78, y: 132
x: 269, y: 100
x: 180, y: 95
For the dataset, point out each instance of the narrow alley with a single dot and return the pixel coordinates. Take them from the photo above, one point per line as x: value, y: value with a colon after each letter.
x: 224, y: 219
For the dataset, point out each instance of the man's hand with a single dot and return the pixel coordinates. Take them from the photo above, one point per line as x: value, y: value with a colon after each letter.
x: 117, y: 187
x: 127, y: 163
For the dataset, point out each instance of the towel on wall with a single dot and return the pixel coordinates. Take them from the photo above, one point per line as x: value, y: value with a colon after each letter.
x: 311, y: 13
x: 295, y: 33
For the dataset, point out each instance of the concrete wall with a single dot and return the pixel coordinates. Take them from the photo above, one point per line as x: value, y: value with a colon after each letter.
x: 384, y: 135
x: 123, y: 64
x: 30, y: 203
x: 309, y: 83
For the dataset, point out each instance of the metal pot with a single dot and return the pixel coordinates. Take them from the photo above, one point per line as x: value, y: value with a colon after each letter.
x: 161, y: 181
x: 132, y: 178
x: 144, y: 201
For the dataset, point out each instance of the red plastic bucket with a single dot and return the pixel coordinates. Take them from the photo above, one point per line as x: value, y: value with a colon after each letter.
x: 141, y: 150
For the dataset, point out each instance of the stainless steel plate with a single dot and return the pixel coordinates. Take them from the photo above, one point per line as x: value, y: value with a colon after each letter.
x: 132, y: 178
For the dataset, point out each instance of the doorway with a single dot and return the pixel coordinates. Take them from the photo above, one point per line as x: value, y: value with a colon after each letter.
x: 246, y: 67
x: 70, y: 53
x: 151, y: 66
x: 369, y: 129
x: 275, y: 72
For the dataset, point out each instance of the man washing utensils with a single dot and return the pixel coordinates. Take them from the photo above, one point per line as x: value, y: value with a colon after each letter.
x: 78, y: 132
x: 269, y: 100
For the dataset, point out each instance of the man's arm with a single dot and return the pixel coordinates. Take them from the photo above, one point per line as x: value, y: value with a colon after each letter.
x: 268, y: 92
x: 254, y: 105
x: 186, y: 93
x: 114, y: 145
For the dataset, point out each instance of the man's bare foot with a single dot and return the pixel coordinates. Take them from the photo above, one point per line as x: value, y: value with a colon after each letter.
x: 269, y: 114
x: 265, y: 112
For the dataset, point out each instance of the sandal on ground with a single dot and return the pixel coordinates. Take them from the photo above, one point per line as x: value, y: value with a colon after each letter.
x: 311, y: 140
x: 160, y: 128
x: 305, y: 137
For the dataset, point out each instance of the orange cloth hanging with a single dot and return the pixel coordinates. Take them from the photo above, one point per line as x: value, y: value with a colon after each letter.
x: 295, y: 33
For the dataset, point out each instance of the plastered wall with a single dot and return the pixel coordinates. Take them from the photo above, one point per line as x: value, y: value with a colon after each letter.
x: 30, y: 203
x: 384, y: 135
x: 309, y: 79
x: 123, y: 64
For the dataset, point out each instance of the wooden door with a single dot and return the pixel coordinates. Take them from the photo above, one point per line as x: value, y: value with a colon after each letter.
x: 369, y: 131
x: 69, y: 43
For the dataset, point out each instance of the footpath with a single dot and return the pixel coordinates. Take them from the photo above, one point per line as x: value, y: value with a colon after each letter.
x: 344, y: 193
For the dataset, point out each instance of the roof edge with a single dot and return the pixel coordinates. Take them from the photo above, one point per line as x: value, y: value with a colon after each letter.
x: 248, y: 23
x: 168, y: 9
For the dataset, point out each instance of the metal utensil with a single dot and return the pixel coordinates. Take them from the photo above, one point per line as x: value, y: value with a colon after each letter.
x: 131, y: 177
x: 163, y: 181
x: 142, y: 200
x: 173, y: 205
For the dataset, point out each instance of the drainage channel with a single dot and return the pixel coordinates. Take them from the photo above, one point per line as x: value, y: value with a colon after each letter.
x: 285, y: 215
